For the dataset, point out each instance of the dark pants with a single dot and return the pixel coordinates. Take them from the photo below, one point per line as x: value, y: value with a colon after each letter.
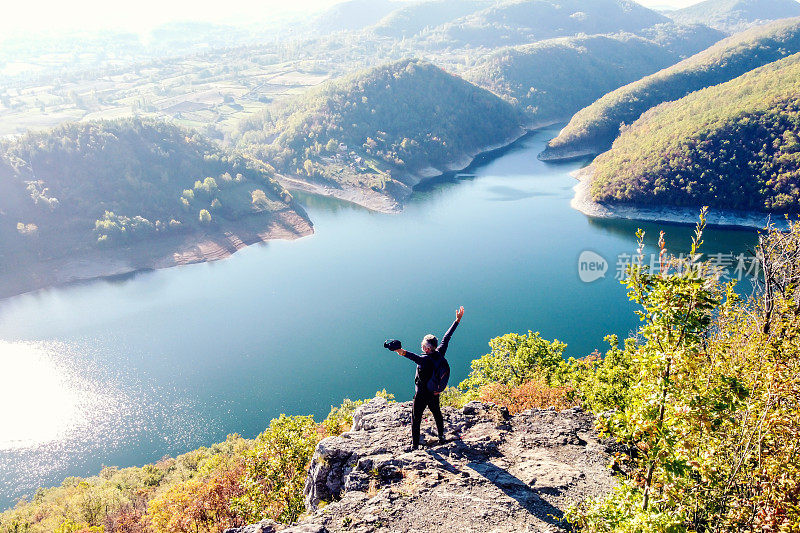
x: 421, y: 401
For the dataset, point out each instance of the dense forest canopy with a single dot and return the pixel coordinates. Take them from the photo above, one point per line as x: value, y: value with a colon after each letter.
x: 683, y: 40
x: 378, y: 124
x: 596, y: 126
x: 552, y: 79
x: 735, y: 15
x: 113, y: 181
x: 734, y: 145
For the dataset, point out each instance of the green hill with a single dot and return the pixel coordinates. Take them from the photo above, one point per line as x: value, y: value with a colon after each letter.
x: 683, y: 40
x: 735, y: 15
x: 374, y: 129
x: 352, y: 15
x: 594, y: 128
x: 412, y: 19
x: 111, y: 183
x: 527, y: 21
x: 734, y: 145
x: 552, y: 79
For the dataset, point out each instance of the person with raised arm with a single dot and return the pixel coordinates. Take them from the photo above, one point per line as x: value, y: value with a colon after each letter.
x: 431, y: 378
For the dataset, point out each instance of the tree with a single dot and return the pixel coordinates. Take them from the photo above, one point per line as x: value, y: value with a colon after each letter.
x: 709, y: 409
x: 308, y: 167
x: 275, y: 470
x: 515, y: 359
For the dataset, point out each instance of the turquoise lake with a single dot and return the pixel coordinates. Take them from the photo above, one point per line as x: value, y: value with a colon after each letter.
x: 124, y: 372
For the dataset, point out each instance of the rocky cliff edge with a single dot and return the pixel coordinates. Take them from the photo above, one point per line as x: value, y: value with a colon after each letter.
x: 496, y: 473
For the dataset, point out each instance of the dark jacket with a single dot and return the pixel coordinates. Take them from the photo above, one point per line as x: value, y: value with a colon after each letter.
x: 425, y: 362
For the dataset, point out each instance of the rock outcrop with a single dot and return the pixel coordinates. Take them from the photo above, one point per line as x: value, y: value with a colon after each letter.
x: 496, y: 473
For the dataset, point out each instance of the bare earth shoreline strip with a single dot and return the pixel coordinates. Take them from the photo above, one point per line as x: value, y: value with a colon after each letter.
x: 582, y: 201
x: 164, y: 252
x: 229, y: 238
x: 375, y: 201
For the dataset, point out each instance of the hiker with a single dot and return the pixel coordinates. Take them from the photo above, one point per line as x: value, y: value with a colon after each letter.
x: 430, y: 380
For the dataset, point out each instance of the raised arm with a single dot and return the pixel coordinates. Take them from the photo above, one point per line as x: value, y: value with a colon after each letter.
x: 446, y: 338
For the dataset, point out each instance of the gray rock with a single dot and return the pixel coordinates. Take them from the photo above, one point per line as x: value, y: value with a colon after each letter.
x: 305, y: 528
x: 497, y: 472
x: 265, y: 526
x: 269, y: 526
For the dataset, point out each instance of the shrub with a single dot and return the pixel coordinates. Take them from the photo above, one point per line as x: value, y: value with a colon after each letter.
x: 208, y: 186
x: 200, y: 503
x: 516, y: 359
x: 259, y: 198
x: 340, y: 418
x: 531, y: 394
x: 119, y: 228
x: 707, y: 403
x: 275, y: 469
x: 453, y: 397
x: 27, y: 229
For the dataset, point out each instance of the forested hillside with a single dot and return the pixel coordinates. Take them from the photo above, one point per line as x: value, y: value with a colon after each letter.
x: 409, y: 20
x: 527, y: 21
x: 552, y: 79
x: 373, y: 128
x: 114, y: 182
x: 734, y: 145
x: 595, y: 127
x: 492, y: 24
x: 683, y: 40
x: 735, y: 15
x: 352, y: 15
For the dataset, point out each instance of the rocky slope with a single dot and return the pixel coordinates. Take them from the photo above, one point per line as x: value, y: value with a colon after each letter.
x: 496, y: 473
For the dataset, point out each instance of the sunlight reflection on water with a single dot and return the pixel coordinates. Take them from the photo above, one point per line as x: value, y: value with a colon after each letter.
x: 59, y: 409
x: 43, y: 398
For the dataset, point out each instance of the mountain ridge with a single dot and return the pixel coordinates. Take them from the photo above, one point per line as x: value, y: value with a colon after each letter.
x: 592, y: 129
x: 733, y: 145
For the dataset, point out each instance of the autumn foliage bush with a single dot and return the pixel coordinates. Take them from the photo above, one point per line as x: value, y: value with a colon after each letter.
x: 706, y: 399
x: 531, y: 394
x: 207, y: 490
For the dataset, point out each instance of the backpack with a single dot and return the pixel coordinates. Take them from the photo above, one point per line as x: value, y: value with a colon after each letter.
x: 441, y: 373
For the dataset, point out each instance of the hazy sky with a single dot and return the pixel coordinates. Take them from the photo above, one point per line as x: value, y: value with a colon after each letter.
x: 22, y: 15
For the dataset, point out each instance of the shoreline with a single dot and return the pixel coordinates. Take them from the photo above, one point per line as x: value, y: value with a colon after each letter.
x: 366, y: 198
x: 724, y: 218
x: 556, y: 156
x: 229, y: 237
x: 381, y: 203
x: 168, y: 251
